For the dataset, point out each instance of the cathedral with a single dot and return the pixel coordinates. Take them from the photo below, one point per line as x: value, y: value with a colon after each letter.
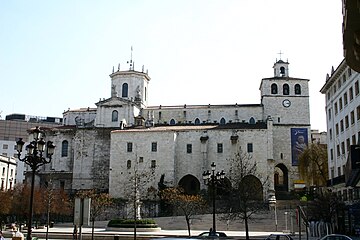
x: 103, y: 147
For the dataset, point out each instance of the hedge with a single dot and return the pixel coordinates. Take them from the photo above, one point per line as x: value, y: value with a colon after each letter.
x: 127, y: 223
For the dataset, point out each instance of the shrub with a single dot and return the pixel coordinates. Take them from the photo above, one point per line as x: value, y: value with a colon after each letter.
x: 128, y: 223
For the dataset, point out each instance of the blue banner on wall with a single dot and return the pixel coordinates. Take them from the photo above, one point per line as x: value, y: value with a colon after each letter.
x: 299, y: 141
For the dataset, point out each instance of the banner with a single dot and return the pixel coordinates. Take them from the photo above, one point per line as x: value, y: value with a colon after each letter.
x: 299, y: 141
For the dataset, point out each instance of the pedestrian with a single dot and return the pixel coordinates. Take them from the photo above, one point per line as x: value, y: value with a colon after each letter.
x: 16, y: 233
x: 75, y: 233
x: 211, y: 232
x: 1, y: 236
x: 19, y: 234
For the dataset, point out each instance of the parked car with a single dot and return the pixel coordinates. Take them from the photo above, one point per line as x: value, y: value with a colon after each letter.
x: 212, y: 235
x: 279, y: 236
x: 335, y: 237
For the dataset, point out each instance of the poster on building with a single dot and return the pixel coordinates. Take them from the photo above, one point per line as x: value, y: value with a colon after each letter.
x: 299, y: 141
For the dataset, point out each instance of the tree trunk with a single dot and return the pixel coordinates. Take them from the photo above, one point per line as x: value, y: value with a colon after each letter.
x: 246, y: 227
x: 188, y: 224
x: 92, y: 228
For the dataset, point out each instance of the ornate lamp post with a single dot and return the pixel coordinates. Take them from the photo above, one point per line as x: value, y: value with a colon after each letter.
x: 36, y: 156
x: 213, y: 179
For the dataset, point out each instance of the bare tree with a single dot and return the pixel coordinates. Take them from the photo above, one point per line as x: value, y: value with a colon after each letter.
x: 189, y: 205
x: 99, y: 202
x: 139, y: 187
x: 245, y: 189
x: 325, y: 206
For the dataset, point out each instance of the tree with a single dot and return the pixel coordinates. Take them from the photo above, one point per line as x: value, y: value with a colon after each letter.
x: 20, y: 203
x: 99, y: 201
x: 313, y: 166
x: 327, y: 207
x: 245, y: 190
x: 60, y: 203
x: 188, y: 204
x: 139, y: 187
x: 5, y: 209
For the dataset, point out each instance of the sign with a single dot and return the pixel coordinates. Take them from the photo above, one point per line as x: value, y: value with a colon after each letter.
x: 299, y: 141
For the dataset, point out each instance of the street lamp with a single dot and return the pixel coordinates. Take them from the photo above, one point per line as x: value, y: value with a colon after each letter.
x: 36, y: 156
x: 272, y: 203
x: 213, y: 179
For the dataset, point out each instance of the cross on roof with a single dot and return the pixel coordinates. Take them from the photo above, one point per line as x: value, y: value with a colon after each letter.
x: 280, y: 53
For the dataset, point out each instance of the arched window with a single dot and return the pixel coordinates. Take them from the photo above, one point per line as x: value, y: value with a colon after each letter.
x: 274, y: 88
x: 172, y: 122
x: 114, y: 116
x: 197, y: 121
x: 297, y: 89
x: 286, y: 89
x: 282, y: 71
x: 124, y: 90
x: 64, y: 148
x: 128, y: 164
x: 252, y: 120
x: 222, y: 121
x: 145, y: 93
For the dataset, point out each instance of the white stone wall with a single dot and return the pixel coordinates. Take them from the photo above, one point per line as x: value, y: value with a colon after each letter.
x: 126, y: 112
x: 282, y: 146
x: 172, y: 158
x: 120, y: 175
x: 205, y: 113
x: 79, y: 117
x: 299, y: 110
x: 86, y: 165
x: 61, y: 163
x: 135, y: 81
x: 91, y: 159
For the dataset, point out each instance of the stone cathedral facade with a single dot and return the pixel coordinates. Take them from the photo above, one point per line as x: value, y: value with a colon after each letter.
x: 99, y: 148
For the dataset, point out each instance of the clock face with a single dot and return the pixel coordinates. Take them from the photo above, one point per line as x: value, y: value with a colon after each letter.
x: 286, y: 103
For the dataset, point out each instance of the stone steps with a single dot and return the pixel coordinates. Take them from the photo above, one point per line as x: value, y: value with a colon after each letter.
x: 261, y: 222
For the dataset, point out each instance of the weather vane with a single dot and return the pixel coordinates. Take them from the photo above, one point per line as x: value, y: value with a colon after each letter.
x: 131, y: 61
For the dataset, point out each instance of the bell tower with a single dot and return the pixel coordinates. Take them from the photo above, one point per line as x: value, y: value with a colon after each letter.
x: 130, y: 85
x: 129, y: 94
x: 281, y: 69
x: 285, y: 98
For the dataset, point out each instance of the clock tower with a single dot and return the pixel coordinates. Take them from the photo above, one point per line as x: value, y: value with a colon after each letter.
x: 285, y: 98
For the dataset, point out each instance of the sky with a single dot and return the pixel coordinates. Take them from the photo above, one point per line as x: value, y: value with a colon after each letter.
x: 58, y: 55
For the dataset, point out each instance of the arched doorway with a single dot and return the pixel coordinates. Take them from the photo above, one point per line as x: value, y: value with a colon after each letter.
x: 251, y: 188
x: 281, y: 178
x: 190, y: 184
x: 222, y: 188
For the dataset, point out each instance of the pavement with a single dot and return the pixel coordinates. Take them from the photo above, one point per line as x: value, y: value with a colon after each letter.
x: 65, y: 232
x: 101, y: 233
x: 171, y: 227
